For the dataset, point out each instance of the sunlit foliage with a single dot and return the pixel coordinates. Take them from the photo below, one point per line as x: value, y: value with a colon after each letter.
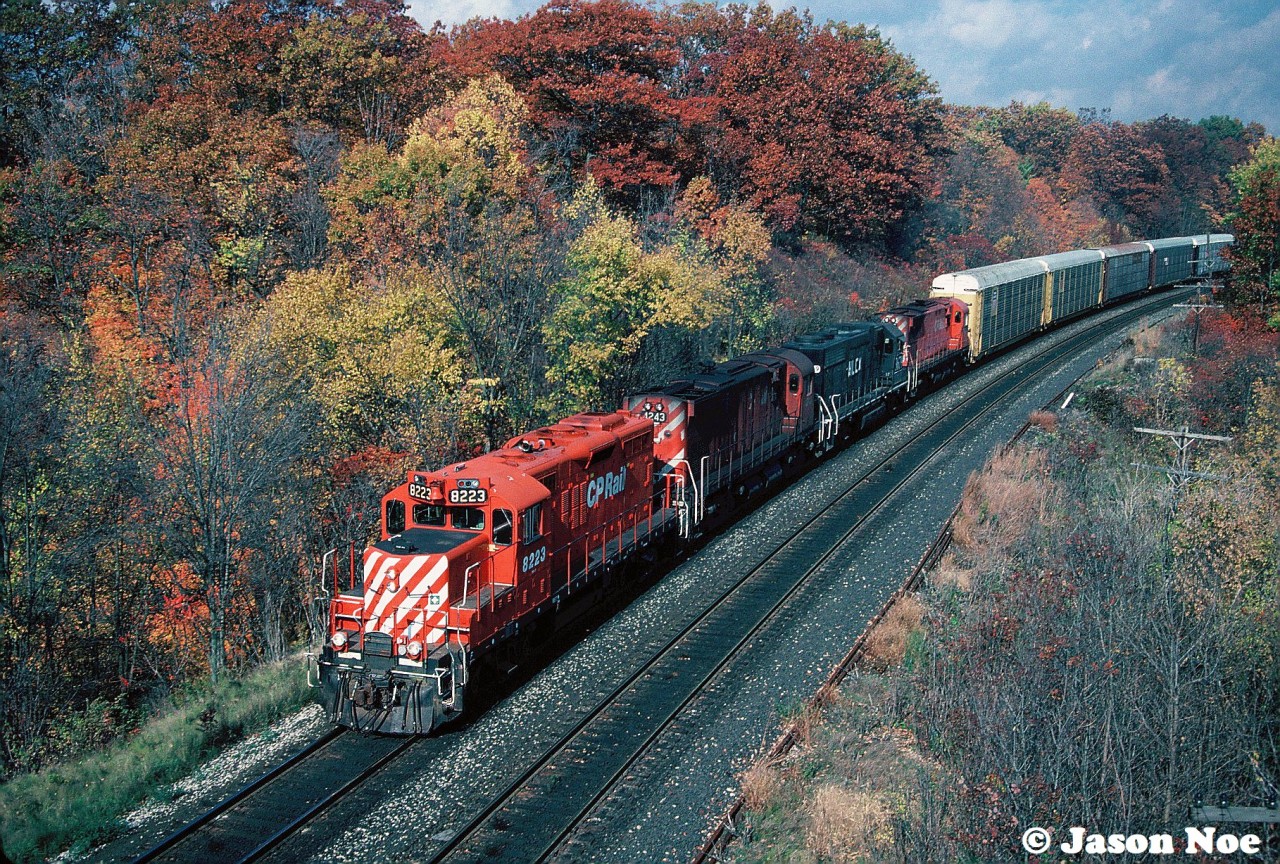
x: 258, y: 257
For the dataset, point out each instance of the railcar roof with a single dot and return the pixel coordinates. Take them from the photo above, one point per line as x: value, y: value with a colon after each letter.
x: 1171, y: 242
x: 1123, y: 249
x: 1073, y: 258
x: 980, y: 278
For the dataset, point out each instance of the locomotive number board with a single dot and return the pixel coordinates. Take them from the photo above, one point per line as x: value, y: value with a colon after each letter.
x: 468, y: 496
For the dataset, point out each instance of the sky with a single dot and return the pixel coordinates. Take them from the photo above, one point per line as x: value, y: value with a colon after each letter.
x: 1140, y: 58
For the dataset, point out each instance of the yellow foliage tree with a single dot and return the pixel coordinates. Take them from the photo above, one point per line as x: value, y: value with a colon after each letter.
x: 378, y: 359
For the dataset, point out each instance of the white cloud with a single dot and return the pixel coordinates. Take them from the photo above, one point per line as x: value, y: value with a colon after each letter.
x: 427, y: 12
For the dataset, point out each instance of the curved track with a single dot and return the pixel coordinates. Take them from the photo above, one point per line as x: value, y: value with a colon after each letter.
x: 558, y: 791
x: 537, y: 812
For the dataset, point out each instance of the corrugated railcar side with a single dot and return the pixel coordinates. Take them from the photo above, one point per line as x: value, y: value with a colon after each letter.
x: 1128, y: 270
x: 1074, y: 283
x: 1006, y: 301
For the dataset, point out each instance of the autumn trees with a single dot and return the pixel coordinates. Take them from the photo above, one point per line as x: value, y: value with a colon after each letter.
x: 597, y: 77
x: 258, y: 257
x: 646, y: 101
x: 822, y: 128
x: 1027, y: 180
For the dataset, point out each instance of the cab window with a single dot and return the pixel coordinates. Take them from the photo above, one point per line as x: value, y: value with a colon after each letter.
x: 431, y: 515
x: 531, y: 524
x: 395, y: 516
x: 502, y: 527
x: 467, y: 518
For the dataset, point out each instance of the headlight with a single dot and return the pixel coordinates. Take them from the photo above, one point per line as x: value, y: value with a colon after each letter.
x: 340, y: 639
x: 414, y: 650
x: 392, y: 585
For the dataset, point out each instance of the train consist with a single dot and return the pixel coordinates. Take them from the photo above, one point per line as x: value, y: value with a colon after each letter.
x: 476, y: 557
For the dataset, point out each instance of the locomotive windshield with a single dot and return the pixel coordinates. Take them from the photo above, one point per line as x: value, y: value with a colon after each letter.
x: 502, y: 527
x: 428, y: 515
x: 467, y: 518
x: 395, y: 516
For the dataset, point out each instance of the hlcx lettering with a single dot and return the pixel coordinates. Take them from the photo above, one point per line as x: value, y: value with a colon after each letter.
x: 606, y: 486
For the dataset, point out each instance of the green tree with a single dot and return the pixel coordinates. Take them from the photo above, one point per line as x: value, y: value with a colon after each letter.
x: 377, y: 360
x: 626, y: 316
x: 460, y: 204
x: 1256, y: 222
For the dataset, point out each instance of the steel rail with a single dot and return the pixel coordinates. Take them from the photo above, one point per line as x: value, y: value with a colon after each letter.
x: 239, y: 795
x: 328, y: 801
x: 238, y: 840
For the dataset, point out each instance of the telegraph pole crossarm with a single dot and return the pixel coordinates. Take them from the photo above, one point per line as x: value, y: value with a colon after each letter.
x: 1180, y: 473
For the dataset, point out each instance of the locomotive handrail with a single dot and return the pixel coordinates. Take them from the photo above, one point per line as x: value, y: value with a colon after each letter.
x: 323, y: 563
x: 466, y: 579
x: 697, y: 494
x: 825, y: 422
x: 702, y: 499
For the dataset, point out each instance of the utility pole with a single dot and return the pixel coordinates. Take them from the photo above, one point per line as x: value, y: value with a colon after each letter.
x: 1198, y: 304
x: 1180, y: 473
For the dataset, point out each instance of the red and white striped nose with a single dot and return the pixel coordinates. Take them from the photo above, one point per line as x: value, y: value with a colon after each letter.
x: 405, y: 595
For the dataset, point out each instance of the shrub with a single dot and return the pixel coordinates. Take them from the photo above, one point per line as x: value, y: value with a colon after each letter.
x: 81, y: 804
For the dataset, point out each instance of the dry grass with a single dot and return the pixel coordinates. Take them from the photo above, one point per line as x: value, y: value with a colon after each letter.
x: 804, y: 721
x: 1046, y: 420
x: 844, y: 824
x: 950, y: 573
x: 759, y: 784
x: 887, y: 643
x: 1146, y: 342
x: 1004, y: 501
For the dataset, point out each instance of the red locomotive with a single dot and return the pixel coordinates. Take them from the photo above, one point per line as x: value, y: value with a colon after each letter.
x: 474, y: 558
x: 479, y: 553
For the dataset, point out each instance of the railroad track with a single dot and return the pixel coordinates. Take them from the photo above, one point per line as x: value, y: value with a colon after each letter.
x: 549, y: 800
x: 261, y: 815
x: 546, y: 803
